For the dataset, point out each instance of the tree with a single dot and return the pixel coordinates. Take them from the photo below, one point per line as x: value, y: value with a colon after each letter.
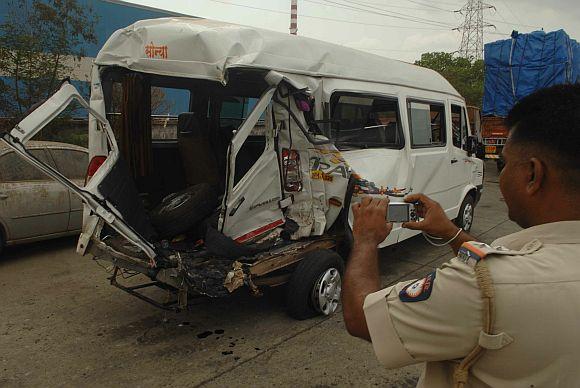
x: 39, y: 41
x: 465, y: 75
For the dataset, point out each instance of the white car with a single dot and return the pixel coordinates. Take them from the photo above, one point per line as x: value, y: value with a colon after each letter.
x: 266, y: 202
x: 33, y: 206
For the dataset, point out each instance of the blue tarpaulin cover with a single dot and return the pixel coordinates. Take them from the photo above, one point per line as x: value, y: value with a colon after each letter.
x: 525, y: 63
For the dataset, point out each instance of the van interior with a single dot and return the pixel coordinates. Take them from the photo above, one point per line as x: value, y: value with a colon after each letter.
x: 166, y: 155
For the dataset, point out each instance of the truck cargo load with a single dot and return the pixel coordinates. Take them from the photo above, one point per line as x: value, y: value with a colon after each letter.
x: 525, y: 63
x: 517, y: 67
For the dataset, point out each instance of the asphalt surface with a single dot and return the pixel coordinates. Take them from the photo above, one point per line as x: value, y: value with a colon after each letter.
x: 61, y: 324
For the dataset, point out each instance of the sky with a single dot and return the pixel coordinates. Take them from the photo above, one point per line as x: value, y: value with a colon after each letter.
x: 400, y: 29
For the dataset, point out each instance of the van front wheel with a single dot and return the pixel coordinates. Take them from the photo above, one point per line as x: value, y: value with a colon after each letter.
x: 315, y: 286
x: 465, y: 218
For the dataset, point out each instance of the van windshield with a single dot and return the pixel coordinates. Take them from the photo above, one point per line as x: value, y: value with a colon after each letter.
x: 360, y: 121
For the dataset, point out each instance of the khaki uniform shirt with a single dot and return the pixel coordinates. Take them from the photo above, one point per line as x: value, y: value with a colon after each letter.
x: 537, y: 308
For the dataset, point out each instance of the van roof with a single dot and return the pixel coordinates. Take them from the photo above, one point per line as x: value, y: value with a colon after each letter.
x: 206, y: 49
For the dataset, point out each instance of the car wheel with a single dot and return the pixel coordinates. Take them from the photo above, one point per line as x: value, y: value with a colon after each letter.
x: 465, y: 218
x: 179, y: 212
x: 315, y: 286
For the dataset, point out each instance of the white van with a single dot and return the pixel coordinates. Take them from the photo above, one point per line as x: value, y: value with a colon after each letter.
x: 262, y: 198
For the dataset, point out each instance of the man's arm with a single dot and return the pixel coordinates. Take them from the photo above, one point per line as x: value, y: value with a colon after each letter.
x: 435, y: 222
x: 362, y: 278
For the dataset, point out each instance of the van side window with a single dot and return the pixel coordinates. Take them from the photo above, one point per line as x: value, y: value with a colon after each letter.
x: 364, y: 121
x: 166, y: 105
x: 235, y: 110
x: 427, y: 122
x: 13, y: 168
x: 458, y: 126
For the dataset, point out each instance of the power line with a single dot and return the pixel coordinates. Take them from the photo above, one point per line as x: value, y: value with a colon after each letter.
x: 429, y: 6
x: 330, y: 19
x: 383, y: 5
x: 513, y: 24
x: 509, y: 9
x: 392, y: 14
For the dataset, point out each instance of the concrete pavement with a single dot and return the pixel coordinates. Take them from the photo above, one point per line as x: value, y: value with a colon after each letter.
x: 61, y: 324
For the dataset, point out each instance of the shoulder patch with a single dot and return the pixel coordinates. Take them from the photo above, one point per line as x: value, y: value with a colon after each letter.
x: 472, y: 252
x: 418, y: 290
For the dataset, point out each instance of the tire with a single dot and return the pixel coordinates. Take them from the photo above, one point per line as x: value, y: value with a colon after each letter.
x: 179, y: 212
x: 464, y: 219
x: 318, y: 270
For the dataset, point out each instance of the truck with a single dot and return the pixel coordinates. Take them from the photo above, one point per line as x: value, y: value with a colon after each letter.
x: 494, y: 132
x: 517, y: 67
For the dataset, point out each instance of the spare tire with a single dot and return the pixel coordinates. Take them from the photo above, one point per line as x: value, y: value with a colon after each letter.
x: 181, y: 211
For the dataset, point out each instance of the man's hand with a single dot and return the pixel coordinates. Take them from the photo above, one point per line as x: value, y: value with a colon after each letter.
x: 434, y: 222
x: 370, y: 221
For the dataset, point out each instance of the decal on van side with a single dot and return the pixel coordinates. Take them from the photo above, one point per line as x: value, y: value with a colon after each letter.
x: 152, y: 51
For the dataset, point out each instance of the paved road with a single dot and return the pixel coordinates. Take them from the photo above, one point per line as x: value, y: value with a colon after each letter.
x: 61, y: 324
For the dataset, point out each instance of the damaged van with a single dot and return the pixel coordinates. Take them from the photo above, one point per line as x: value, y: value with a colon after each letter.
x: 260, y: 198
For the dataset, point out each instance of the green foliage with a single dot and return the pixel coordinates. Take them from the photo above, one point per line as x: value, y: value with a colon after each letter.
x: 465, y: 75
x: 38, y: 41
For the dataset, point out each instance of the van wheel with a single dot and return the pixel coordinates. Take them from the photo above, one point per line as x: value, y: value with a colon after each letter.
x: 179, y: 212
x: 315, y: 286
x: 465, y: 218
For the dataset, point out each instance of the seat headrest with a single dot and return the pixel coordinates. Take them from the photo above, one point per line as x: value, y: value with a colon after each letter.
x: 187, y: 123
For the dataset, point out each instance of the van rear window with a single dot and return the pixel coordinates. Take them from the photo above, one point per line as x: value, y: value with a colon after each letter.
x: 362, y: 121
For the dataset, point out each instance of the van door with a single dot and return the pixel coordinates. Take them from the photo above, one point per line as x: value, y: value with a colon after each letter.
x: 251, y: 202
x: 429, y: 154
x: 110, y: 193
x: 460, y: 169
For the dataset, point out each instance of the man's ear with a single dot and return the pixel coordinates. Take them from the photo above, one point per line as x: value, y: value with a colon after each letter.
x: 537, y: 176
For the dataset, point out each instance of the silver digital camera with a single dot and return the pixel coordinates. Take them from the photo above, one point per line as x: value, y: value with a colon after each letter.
x: 402, y: 212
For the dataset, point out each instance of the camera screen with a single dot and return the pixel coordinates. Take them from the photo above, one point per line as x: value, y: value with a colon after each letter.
x: 398, y: 213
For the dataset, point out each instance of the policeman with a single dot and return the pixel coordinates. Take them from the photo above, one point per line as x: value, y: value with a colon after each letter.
x: 500, y: 315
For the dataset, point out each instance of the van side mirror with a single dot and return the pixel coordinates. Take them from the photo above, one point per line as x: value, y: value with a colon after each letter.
x: 472, y: 145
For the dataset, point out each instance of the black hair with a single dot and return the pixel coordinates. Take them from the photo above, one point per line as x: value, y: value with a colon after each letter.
x: 549, y: 121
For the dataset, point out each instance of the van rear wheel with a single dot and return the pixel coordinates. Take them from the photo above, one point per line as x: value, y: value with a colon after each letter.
x: 315, y: 286
x: 465, y: 218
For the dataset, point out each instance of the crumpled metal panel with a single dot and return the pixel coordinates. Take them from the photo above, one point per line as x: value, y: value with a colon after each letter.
x: 324, y: 172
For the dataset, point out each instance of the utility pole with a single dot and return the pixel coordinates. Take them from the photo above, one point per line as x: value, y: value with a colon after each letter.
x: 472, y: 29
x: 294, y: 17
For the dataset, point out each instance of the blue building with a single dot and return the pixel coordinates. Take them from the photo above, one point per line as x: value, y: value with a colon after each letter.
x: 111, y: 15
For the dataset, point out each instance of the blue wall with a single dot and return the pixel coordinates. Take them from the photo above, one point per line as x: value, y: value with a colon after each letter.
x: 111, y: 17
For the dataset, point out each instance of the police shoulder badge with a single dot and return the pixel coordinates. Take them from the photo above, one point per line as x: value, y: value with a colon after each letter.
x: 418, y: 290
x: 472, y: 252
